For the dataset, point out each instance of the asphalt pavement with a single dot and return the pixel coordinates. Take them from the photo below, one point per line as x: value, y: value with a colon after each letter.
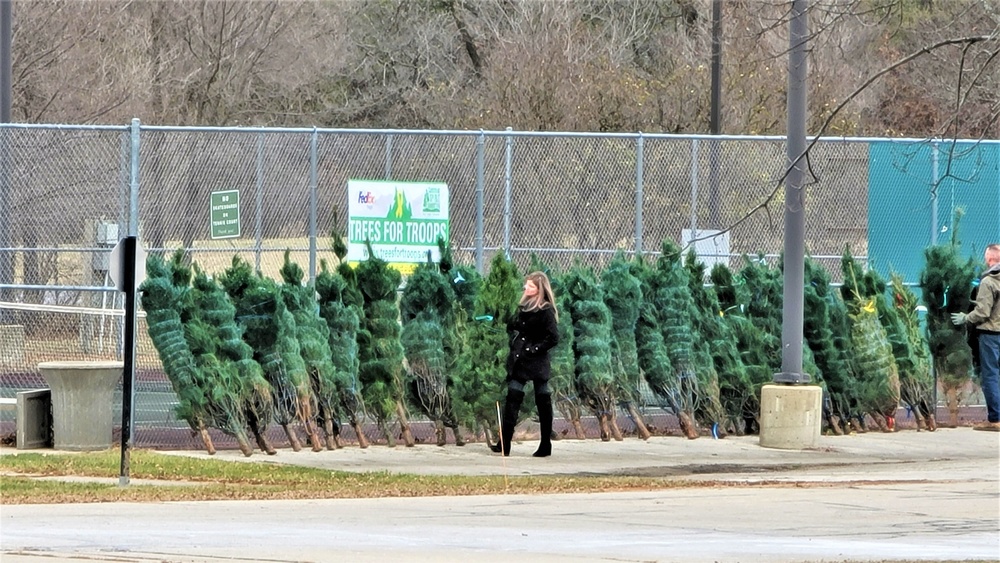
x: 904, y: 496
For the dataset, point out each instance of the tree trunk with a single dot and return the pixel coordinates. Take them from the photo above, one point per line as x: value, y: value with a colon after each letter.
x: 616, y: 431
x: 207, y: 440
x: 404, y: 425
x: 293, y: 437
x: 688, y: 427
x: 640, y: 424
x: 602, y: 421
x: 951, y: 399
x: 362, y: 439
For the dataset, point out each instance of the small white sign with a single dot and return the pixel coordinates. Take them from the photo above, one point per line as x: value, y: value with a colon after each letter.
x: 712, y: 247
x: 116, y: 266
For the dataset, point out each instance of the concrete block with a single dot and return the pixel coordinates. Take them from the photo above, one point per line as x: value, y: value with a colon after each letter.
x: 34, y: 419
x: 790, y: 416
x: 82, y: 403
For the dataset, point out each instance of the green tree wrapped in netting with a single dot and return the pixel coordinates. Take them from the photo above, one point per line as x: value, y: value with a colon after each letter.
x: 343, y: 322
x: 592, y: 348
x: 380, y: 365
x: 269, y: 328
x: 832, y: 354
x: 916, y: 384
x: 874, y: 362
x: 562, y: 363
x: 739, y: 391
x: 465, y: 281
x: 623, y: 296
x: 212, y: 328
x: 484, y: 346
x: 159, y: 295
x: 652, y: 351
x: 946, y: 286
x: 225, y: 404
x: 313, y: 336
x: 426, y: 309
x: 715, y: 346
x: 671, y: 299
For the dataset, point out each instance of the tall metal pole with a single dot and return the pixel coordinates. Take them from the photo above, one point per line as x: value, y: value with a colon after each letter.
x: 714, y: 217
x: 6, y: 256
x: 794, y: 265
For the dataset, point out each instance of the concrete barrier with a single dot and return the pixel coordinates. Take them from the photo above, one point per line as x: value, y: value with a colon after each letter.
x: 82, y: 403
x: 790, y: 416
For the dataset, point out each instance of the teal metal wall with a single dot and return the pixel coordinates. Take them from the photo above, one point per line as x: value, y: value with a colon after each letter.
x: 906, y: 214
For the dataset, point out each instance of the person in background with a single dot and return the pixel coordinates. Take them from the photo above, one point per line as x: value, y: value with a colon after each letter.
x: 985, y: 317
x: 532, y: 334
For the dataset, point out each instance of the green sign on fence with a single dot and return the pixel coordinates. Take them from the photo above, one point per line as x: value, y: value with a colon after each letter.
x: 226, y: 214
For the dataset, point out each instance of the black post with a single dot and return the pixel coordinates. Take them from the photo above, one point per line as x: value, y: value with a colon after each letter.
x: 129, y: 246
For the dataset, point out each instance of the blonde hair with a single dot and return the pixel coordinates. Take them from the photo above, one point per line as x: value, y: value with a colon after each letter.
x: 544, y: 297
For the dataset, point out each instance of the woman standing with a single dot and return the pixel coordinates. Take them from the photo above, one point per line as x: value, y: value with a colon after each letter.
x: 532, y: 334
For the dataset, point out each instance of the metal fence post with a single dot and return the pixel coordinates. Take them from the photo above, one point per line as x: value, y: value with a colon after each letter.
x: 508, y: 157
x: 133, y: 217
x: 694, y: 188
x: 480, y: 187
x: 639, y: 158
x: 388, y: 156
x: 259, y: 202
x: 313, y: 181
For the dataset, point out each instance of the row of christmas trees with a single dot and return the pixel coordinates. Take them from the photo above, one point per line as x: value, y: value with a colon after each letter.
x: 244, y: 351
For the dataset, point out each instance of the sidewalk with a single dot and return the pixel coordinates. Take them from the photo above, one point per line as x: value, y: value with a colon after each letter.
x: 905, y: 496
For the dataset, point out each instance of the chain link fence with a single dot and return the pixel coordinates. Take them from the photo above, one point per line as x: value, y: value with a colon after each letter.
x: 71, y: 192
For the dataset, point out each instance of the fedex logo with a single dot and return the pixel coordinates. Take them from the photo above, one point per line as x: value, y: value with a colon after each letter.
x: 367, y: 198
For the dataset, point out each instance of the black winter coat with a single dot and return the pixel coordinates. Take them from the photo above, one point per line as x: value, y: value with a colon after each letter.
x: 532, y: 335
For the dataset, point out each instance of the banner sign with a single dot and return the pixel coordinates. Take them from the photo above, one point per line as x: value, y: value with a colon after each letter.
x: 402, y: 220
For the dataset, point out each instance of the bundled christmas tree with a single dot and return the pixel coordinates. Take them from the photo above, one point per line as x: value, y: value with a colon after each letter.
x: 592, y: 348
x: 159, y: 295
x: 832, y: 355
x: 623, y: 296
x: 381, y: 358
x: 213, y: 327
x: 269, y: 328
x: 483, y: 358
x: 740, y: 392
x: 946, y: 285
x: 313, y: 336
x: 715, y: 345
x: 916, y: 384
x: 426, y: 310
x: 671, y: 299
x: 875, y: 364
x: 652, y: 350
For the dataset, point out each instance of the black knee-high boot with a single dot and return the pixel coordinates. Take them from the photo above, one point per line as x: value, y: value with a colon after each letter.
x: 511, y: 407
x: 544, y: 403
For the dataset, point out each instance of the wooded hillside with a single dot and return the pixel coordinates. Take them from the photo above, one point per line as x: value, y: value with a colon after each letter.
x: 554, y: 65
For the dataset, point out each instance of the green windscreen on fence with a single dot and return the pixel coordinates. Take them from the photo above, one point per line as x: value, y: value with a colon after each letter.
x: 902, y: 201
